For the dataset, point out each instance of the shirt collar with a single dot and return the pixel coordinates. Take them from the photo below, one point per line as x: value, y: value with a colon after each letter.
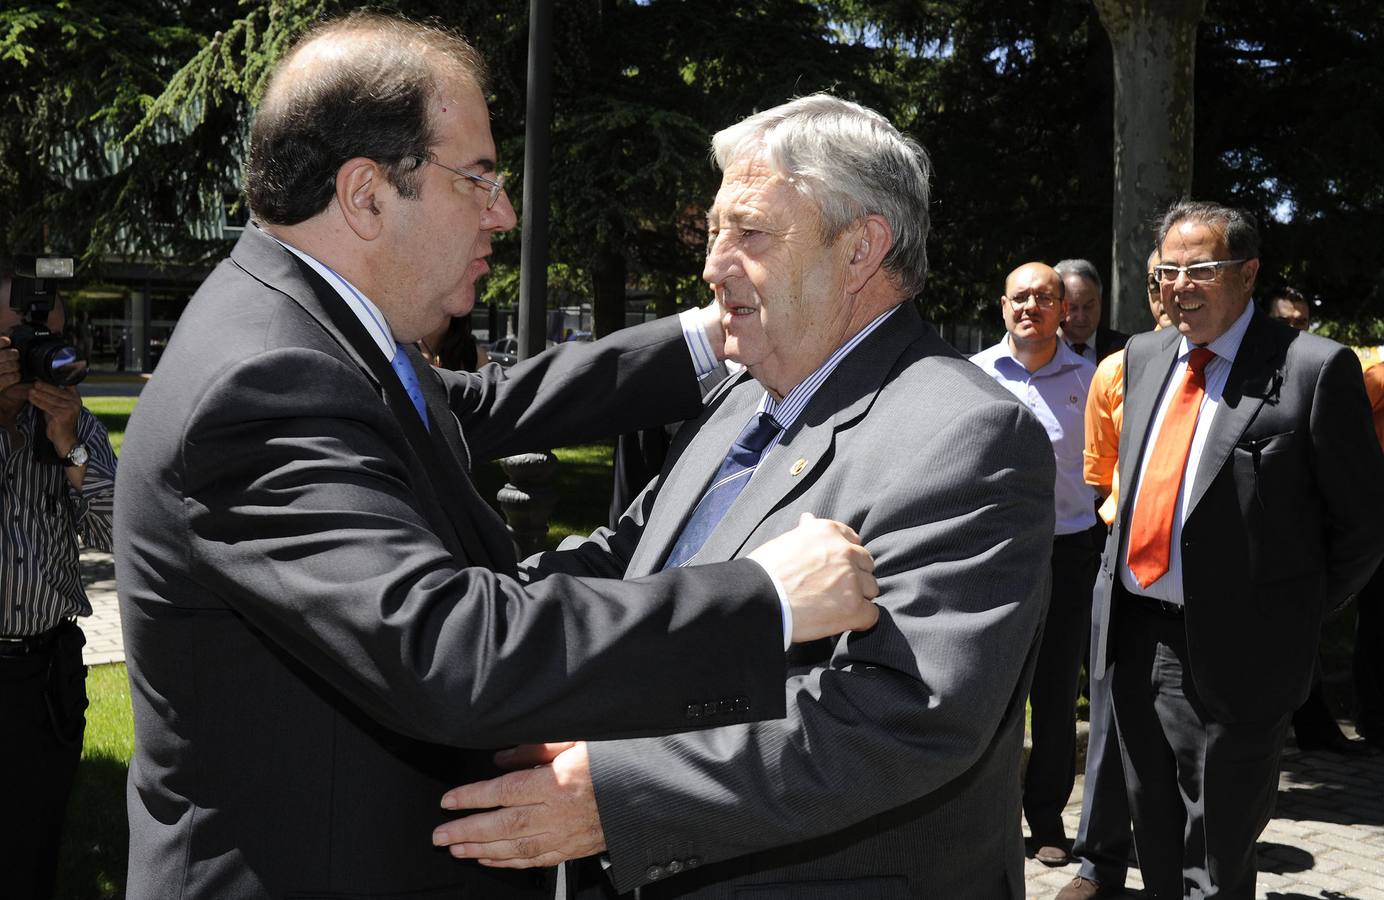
x: 1228, y: 344
x: 359, y: 304
x: 1065, y: 358
x: 786, y: 411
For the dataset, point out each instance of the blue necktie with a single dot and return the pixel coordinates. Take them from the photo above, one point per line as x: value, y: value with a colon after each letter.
x: 404, y: 369
x: 730, y: 480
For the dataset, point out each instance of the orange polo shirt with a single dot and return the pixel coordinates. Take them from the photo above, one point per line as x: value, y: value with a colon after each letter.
x: 1374, y: 387
x: 1104, y: 415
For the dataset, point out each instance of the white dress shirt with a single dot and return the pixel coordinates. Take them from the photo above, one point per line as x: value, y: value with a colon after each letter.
x: 1169, y: 586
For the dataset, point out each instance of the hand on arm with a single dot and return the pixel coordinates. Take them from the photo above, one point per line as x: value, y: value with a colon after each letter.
x: 545, y: 815
x: 827, y: 575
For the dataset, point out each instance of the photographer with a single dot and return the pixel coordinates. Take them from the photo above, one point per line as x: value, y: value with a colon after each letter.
x: 57, y: 474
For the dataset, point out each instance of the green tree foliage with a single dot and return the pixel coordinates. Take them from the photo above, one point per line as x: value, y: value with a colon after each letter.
x: 124, y: 120
x: 1290, y: 121
x: 639, y: 89
x: 75, y: 78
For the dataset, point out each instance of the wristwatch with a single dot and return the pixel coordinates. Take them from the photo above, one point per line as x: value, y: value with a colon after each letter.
x: 77, y: 456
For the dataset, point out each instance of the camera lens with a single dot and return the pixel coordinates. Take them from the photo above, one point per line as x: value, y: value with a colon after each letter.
x: 55, y: 361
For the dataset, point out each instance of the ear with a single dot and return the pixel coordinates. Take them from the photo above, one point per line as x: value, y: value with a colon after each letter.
x: 1250, y: 271
x: 870, y: 241
x: 359, y: 185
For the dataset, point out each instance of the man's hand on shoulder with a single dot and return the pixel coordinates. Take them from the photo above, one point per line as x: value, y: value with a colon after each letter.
x: 827, y: 576
x: 534, y: 816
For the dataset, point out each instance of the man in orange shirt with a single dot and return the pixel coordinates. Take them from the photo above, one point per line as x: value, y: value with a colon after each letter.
x: 1103, y: 838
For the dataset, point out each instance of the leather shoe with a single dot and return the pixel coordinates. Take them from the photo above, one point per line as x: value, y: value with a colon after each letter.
x: 1082, y: 889
x: 1049, y: 855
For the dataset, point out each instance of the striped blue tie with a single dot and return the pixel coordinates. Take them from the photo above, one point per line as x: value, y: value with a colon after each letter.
x: 730, y: 480
x: 404, y: 369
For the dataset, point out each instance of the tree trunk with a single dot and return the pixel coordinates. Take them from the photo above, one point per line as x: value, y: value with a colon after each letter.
x: 607, y: 292
x: 1154, y: 47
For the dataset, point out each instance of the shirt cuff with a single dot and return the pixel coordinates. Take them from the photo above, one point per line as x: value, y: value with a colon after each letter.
x: 698, y: 344
x: 785, y: 611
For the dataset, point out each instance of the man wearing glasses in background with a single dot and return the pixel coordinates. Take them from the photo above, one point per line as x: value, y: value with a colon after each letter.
x: 1052, y: 380
x: 1251, y: 477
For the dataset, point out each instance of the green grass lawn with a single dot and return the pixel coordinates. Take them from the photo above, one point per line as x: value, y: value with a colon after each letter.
x: 114, y: 413
x: 96, y: 836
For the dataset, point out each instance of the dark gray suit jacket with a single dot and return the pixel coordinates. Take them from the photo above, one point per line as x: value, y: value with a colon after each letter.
x: 1281, y: 522
x: 896, y: 772
x: 318, y: 608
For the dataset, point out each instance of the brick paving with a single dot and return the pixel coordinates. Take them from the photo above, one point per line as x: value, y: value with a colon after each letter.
x: 1326, y: 841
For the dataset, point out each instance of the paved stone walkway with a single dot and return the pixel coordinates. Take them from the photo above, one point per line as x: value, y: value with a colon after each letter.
x: 1326, y: 841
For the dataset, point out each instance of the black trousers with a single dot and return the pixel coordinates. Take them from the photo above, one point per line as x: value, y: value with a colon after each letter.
x: 1103, y: 839
x: 1200, y: 791
x: 42, y: 718
x: 1051, y: 768
x: 1367, y: 664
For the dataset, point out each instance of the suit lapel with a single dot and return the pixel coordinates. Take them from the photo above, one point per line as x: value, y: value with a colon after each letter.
x: 682, y: 485
x: 434, y: 464
x: 807, y: 448
x: 456, y: 488
x: 1147, y: 365
x: 1253, y: 377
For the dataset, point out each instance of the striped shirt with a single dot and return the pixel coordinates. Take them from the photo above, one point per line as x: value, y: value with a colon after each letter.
x: 41, y: 519
x: 786, y: 411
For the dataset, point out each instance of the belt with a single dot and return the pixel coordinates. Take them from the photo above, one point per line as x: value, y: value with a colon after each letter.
x: 1163, y: 608
x: 30, y: 645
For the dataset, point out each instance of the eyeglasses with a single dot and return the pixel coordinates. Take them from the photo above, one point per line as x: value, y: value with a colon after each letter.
x: 1206, y: 271
x: 494, y: 186
x: 1153, y: 283
x: 1042, y: 301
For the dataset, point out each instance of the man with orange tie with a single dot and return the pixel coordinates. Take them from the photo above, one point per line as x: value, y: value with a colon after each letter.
x: 1250, y: 483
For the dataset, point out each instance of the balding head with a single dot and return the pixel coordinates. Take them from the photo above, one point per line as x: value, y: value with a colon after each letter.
x: 354, y: 87
x: 1033, y: 306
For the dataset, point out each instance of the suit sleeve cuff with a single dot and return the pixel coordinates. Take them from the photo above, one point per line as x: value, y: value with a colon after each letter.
x: 785, y: 610
x: 698, y: 344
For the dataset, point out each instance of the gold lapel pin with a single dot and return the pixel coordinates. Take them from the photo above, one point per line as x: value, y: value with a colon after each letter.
x: 798, y: 467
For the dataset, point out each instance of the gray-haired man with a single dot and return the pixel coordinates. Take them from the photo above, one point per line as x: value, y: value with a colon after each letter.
x: 895, y: 772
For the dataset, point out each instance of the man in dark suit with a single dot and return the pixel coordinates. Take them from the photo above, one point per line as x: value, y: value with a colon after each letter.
x: 1251, y: 480
x: 318, y: 608
x: 896, y: 772
x: 1082, y: 328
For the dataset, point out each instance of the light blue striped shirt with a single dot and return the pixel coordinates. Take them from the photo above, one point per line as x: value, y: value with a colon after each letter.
x: 786, y: 411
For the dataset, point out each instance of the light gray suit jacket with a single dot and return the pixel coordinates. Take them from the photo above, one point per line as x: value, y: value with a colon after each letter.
x: 896, y: 771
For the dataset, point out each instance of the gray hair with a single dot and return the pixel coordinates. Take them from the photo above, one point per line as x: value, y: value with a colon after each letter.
x: 1238, y: 227
x: 1085, y: 268
x: 851, y: 162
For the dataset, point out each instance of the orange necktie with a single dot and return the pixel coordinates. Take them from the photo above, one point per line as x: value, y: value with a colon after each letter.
x: 1151, y: 532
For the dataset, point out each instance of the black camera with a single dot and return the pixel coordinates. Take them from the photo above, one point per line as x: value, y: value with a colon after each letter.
x: 44, y: 355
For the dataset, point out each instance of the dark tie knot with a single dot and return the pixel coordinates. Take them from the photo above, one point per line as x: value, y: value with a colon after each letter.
x: 1080, y: 348
x: 758, y: 433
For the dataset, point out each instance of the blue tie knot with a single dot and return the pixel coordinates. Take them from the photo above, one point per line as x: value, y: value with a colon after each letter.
x: 729, y: 481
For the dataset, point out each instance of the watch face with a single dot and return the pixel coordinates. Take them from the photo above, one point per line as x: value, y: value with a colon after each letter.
x: 78, y: 455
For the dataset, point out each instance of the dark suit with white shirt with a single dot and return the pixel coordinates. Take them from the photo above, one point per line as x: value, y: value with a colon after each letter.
x: 320, y: 611
x: 1277, y: 530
